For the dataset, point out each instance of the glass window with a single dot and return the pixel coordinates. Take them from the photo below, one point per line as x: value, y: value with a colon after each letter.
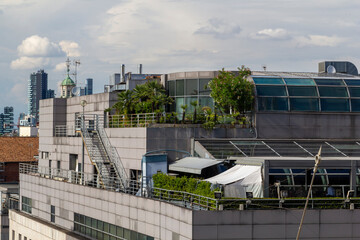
x: 119, y: 232
x: 203, y: 84
x: 171, y: 86
x: 355, y: 105
x: 179, y: 102
x: 299, y: 81
x: 273, y: 104
x: 190, y: 107
x: 260, y: 80
x: 353, y: 82
x: 206, y: 101
x: 191, y: 87
x: 333, y: 92
x: 302, y: 91
x: 354, y: 91
x: 112, y: 229
x: 329, y: 81
x: 334, y: 105
x: 180, y: 87
x: 304, y: 104
x: 271, y: 91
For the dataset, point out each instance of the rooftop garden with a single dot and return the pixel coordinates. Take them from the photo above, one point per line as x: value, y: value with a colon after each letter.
x: 233, y: 96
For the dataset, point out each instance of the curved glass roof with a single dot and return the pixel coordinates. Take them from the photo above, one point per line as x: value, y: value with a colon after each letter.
x: 310, y: 93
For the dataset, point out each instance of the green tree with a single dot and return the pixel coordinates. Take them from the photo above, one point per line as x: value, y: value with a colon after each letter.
x: 233, y: 92
x: 125, y: 104
x: 150, y: 97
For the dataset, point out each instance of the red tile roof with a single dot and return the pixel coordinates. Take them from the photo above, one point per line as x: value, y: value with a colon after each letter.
x: 18, y: 149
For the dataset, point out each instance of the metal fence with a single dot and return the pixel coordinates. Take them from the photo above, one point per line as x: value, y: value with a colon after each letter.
x: 145, y: 119
x: 185, y: 199
x: 65, y: 131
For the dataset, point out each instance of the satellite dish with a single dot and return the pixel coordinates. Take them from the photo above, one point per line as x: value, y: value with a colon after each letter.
x: 76, y: 91
x: 331, y: 69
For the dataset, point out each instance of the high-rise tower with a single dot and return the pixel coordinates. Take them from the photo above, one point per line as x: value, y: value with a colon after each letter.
x: 37, y: 90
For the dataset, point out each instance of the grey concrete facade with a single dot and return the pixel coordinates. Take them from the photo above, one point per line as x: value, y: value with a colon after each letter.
x: 153, y: 218
x: 308, y: 125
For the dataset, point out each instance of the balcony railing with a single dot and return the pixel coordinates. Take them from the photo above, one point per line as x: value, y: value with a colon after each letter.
x: 189, y: 200
x: 65, y: 131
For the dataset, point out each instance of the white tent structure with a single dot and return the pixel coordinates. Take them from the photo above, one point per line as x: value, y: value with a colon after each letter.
x: 240, y: 179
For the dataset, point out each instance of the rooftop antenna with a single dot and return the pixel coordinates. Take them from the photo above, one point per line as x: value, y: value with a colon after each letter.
x: 264, y: 67
x: 76, y: 63
x: 68, y: 66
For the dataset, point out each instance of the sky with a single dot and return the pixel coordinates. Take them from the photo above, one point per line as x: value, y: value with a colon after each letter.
x: 168, y: 36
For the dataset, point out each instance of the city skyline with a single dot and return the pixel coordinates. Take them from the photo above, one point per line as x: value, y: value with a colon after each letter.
x: 168, y: 36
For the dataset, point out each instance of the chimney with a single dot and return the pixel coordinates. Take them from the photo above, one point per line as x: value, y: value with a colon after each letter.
x: 140, y: 68
x: 122, y: 73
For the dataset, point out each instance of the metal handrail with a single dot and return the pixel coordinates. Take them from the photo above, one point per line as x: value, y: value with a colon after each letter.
x: 64, y: 131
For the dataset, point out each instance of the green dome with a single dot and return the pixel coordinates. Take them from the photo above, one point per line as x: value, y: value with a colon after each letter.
x: 68, y: 82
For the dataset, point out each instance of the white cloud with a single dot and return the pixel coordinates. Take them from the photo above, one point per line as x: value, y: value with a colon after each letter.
x: 36, y: 46
x: 18, y: 92
x: 61, y: 67
x: 70, y: 48
x: 270, y: 33
x: 219, y: 29
x: 29, y: 62
x: 319, y: 40
x: 36, y: 51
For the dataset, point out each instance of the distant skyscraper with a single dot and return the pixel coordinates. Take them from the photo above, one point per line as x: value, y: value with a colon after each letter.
x: 89, y: 86
x: 38, y: 89
x: 7, y: 120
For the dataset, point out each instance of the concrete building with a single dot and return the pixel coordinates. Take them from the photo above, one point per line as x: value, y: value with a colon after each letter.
x: 295, y: 113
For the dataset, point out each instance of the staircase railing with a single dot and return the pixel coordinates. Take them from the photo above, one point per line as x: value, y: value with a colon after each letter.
x: 112, y: 152
x: 103, y: 155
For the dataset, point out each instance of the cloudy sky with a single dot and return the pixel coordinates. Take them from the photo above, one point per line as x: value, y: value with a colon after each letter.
x: 168, y: 36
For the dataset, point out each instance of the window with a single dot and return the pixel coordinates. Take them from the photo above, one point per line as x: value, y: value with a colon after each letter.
x: 273, y: 104
x: 102, y: 230
x: 302, y: 91
x: 334, y: 105
x: 26, y: 204
x: 354, y: 91
x: 355, y: 105
x: 19, y: 236
x: 203, y: 89
x: 333, y: 92
x: 299, y: 81
x: 180, y: 87
x: 171, y: 88
x: 329, y: 82
x: 191, y: 87
x: 275, y: 91
x: 73, y: 160
x: 13, y: 235
x: 260, y: 80
x: 304, y: 104
x: 352, y: 82
x: 52, y: 214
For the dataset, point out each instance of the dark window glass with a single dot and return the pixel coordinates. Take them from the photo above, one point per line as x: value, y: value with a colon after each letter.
x: 191, y: 87
x: 355, y: 105
x: 206, y: 101
x: 334, y: 105
x: 180, y: 87
x: 354, y: 91
x: 276, y: 170
x: 299, y: 81
x: 126, y: 233
x: 171, y: 86
x: 273, y: 104
x: 271, y: 91
x: 88, y: 221
x: 302, y: 91
x: 94, y: 223
x: 304, y: 104
x: 333, y: 92
x: 352, y: 82
x: 112, y: 229
x: 106, y: 227
x: 76, y: 217
x: 284, y: 179
x: 100, y: 225
x: 93, y: 233
x: 259, y: 80
x: 119, y: 231
x: 329, y: 82
x: 203, y: 90
x: 188, y: 101
x: 178, y: 103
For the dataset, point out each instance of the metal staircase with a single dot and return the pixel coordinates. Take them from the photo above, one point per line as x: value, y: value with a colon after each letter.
x: 101, y: 153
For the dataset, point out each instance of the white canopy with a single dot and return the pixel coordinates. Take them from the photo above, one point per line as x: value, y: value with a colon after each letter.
x: 193, y: 164
x: 240, y: 179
